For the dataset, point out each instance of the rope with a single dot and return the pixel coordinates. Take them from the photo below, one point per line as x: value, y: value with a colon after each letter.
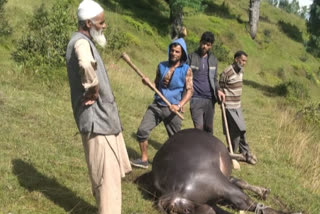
x: 259, y: 208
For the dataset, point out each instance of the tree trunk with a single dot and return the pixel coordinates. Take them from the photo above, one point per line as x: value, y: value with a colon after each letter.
x: 176, y: 20
x: 254, y: 9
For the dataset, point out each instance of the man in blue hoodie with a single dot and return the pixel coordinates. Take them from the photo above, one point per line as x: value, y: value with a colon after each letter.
x: 173, y: 78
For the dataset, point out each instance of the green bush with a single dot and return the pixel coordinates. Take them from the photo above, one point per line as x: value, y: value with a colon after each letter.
x: 295, y: 92
x: 281, y: 73
x: 221, y: 52
x: 311, y: 113
x: 49, y: 32
x: 267, y: 35
x: 116, y: 40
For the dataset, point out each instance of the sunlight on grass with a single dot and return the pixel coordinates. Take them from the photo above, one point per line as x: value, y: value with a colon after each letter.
x: 42, y: 165
x: 297, y: 140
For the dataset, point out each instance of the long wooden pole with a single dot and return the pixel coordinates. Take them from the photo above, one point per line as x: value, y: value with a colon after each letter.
x: 235, y: 163
x: 127, y: 59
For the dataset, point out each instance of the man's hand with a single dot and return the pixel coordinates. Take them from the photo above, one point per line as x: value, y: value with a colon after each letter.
x: 91, y: 96
x: 221, y: 96
x: 176, y: 108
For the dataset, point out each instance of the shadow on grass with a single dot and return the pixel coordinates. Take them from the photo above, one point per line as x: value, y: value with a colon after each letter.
x: 266, y: 90
x: 291, y: 31
x: 31, y: 179
x: 155, y: 144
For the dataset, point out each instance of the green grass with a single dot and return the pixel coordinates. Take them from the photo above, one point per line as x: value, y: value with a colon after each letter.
x: 42, y: 163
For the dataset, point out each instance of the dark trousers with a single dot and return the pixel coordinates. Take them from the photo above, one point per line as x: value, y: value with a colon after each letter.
x: 154, y: 115
x: 202, y: 113
x: 237, y: 131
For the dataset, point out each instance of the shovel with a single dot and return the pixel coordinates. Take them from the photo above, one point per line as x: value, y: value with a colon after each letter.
x: 126, y: 58
x: 235, y: 163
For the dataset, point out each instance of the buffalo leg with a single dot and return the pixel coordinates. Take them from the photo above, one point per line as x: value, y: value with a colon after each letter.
x: 238, y: 199
x: 261, y: 191
x: 241, y: 201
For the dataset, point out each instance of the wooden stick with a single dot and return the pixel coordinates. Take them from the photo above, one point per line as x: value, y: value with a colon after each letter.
x: 127, y: 59
x: 235, y: 163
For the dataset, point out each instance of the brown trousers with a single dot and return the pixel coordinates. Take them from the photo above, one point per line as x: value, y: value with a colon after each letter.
x: 107, y: 161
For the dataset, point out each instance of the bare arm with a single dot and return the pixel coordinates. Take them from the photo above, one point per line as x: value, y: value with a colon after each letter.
x: 189, y: 91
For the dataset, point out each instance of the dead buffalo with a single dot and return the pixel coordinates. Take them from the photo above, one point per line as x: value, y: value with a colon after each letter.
x: 191, y: 173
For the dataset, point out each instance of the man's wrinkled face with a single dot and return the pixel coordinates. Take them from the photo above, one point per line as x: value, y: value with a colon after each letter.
x: 96, y: 30
x: 175, y: 53
x: 241, y: 61
x: 205, y: 47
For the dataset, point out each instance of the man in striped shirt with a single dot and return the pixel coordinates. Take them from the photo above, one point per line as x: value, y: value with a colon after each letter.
x: 231, y: 83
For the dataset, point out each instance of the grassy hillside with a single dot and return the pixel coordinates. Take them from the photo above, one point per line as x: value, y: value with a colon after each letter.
x: 42, y: 162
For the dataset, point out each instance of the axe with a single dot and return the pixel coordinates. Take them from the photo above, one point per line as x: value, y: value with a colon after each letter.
x: 126, y: 58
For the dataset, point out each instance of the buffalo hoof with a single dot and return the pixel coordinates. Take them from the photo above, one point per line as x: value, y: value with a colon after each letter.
x: 251, y: 159
x: 265, y: 193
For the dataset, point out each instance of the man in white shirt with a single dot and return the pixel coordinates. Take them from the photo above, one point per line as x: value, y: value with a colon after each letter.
x: 95, y: 110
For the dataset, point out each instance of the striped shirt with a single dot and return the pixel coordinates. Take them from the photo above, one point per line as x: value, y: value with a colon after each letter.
x: 231, y: 83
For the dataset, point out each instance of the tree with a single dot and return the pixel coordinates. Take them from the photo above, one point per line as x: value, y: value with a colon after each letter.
x: 292, y: 7
x: 313, y: 28
x: 295, y: 7
x: 176, y: 15
x: 304, y: 12
x: 273, y: 2
x: 177, y: 11
x: 254, y: 10
x: 285, y: 5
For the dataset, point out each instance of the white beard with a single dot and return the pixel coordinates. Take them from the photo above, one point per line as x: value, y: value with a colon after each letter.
x: 240, y: 66
x: 98, y: 37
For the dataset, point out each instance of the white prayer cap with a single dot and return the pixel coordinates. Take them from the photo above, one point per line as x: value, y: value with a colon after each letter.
x: 88, y: 9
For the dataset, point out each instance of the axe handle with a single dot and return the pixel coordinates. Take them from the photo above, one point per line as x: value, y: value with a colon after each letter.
x: 126, y: 58
x: 235, y: 163
x: 226, y: 127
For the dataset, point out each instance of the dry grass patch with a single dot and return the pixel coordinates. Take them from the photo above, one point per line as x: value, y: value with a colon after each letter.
x: 296, y: 138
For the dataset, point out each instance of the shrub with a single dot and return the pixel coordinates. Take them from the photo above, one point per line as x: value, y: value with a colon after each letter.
x: 303, y: 57
x: 293, y: 91
x: 267, y: 35
x: 310, y: 75
x: 221, y: 52
x: 230, y: 36
x: 311, y: 113
x: 48, y: 36
x: 116, y: 40
x: 281, y: 73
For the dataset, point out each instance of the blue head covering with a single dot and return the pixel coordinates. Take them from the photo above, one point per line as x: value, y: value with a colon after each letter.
x: 182, y: 43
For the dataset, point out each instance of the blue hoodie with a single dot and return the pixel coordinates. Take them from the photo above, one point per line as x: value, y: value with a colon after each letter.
x: 173, y: 92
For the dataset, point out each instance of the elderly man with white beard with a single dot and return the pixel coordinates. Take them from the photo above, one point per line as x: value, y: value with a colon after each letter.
x: 95, y: 110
